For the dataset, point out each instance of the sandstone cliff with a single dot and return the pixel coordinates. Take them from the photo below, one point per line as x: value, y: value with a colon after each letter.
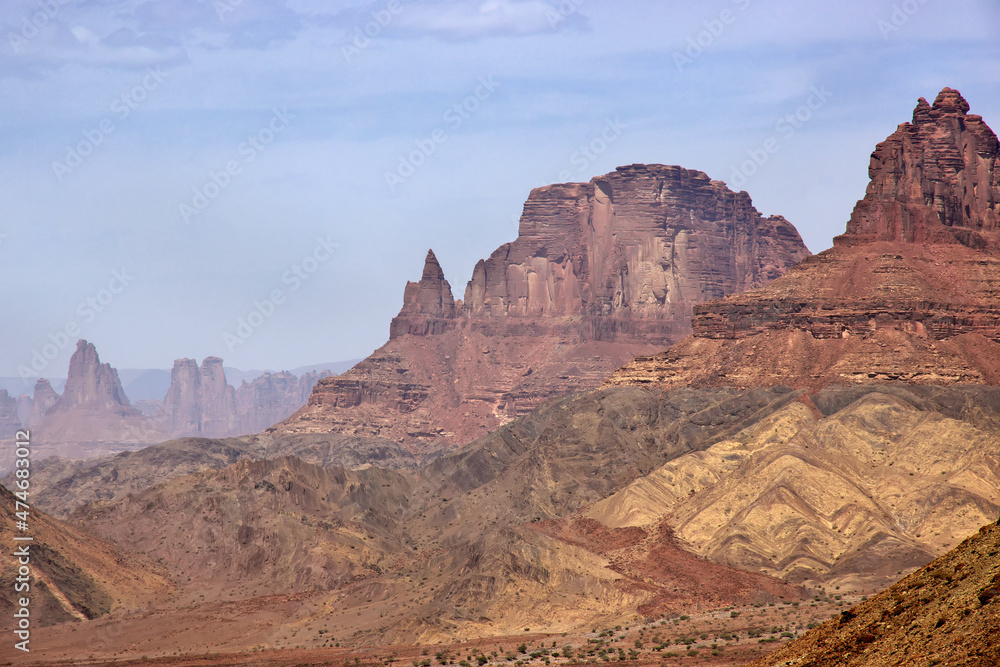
x: 630, y: 252
x: 600, y: 271
x: 91, y: 385
x: 907, y: 294
x: 199, y: 400
x: 93, y: 415
x: 42, y: 400
x: 933, y: 180
x: 272, y: 397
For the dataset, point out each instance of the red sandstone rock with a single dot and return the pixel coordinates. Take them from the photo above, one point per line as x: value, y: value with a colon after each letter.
x: 199, y: 401
x: 908, y: 294
x: 933, y: 180
x: 272, y: 397
x: 600, y: 271
x: 24, y: 404
x: 91, y: 385
x: 92, y: 416
x: 428, y: 306
x: 630, y: 252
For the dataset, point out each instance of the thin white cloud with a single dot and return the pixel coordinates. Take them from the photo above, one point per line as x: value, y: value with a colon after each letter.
x: 62, y: 43
x: 467, y: 19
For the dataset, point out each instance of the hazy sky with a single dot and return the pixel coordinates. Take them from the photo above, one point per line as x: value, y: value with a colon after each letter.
x: 169, y: 166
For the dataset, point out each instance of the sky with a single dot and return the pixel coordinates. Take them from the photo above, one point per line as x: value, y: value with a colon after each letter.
x: 258, y: 179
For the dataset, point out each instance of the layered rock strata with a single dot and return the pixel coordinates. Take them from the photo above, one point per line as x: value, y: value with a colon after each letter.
x: 933, y: 180
x: 911, y: 292
x: 600, y: 271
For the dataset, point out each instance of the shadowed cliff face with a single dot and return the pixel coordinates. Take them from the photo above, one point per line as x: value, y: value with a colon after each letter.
x: 600, y: 272
x: 74, y: 576
x: 908, y: 294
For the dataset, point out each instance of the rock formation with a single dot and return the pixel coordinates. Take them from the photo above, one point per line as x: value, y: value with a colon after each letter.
x: 91, y: 385
x: 630, y: 252
x: 199, y: 401
x: 933, y: 180
x: 909, y: 293
x: 24, y: 404
x: 42, y: 401
x: 92, y: 415
x: 873, y: 481
x: 10, y: 423
x: 599, y: 272
x: 428, y: 306
x: 272, y: 397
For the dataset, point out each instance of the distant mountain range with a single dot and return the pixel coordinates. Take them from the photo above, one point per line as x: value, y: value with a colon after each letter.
x: 151, y: 384
x: 94, y: 414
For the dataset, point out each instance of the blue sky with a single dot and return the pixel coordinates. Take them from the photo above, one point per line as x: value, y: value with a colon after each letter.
x: 173, y: 167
